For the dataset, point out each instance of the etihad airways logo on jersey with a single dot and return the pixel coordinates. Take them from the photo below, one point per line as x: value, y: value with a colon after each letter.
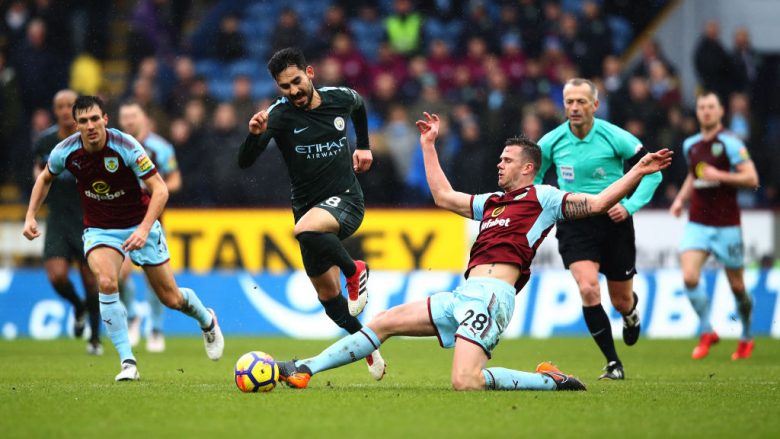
x: 102, y: 192
x: 321, y: 150
x: 501, y: 222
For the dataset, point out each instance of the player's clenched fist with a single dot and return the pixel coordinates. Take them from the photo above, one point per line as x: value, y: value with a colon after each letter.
x: 31, y: 229
x: 259, y: 122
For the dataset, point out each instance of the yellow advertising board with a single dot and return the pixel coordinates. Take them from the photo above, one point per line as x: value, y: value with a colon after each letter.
x: 262, y: 240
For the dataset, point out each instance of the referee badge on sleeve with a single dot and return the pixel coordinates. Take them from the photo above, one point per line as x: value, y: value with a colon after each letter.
x: 567, y: 173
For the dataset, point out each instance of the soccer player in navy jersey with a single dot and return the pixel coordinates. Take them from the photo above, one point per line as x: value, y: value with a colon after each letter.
x: 718, y: 165
x: 120, y: 219
x: 513, y: 223
x: 309, y: 126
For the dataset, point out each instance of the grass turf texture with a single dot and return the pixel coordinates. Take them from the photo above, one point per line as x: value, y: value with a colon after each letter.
x: 52, y: 388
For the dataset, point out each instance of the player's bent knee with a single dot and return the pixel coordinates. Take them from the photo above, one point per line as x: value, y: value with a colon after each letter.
x: 107, y: 284
x: 591, y: 294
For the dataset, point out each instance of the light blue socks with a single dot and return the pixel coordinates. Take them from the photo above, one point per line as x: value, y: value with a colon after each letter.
x: 347, y: 350
x: 156, y: 312
x: 701, y: 304
x: 195, y: 309
x: 114, y: 316
x: 499, y: 378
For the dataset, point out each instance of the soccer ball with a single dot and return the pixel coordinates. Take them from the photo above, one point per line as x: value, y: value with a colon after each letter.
x: 256, y: 372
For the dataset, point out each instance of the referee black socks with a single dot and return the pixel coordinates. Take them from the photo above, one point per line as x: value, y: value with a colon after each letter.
x: 601, y: 330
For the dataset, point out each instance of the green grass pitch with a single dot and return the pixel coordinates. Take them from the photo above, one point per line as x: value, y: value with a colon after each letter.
x: 53, y: 389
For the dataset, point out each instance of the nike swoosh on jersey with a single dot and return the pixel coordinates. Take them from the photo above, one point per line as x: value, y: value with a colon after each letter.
x: 300, y: 130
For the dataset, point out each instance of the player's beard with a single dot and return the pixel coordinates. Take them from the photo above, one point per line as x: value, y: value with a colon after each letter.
x: 309, y: 93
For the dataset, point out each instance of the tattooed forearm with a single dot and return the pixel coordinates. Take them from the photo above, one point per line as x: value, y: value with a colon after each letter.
x: 577, y: 208
x: 490, y: 270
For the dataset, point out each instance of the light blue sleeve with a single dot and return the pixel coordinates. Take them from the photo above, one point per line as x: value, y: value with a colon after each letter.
x: 134, y: 156
x: 166, y: 158
x: 551, y: 199
x: 735, y: 149
x: 56, y: 163
x: 478, y: 205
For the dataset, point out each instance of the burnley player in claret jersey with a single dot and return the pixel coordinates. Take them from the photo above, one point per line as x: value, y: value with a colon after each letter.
x: 513, y: 223
x: 120, y: 219
x: 718, y: 165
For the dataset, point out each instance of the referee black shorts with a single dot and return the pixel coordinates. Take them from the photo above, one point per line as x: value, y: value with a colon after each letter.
x: 601, y: 240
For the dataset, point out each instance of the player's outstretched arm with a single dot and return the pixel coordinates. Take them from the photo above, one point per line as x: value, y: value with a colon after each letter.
x: 443, y: 194
x: 583, y: 205
x: 39, y: 191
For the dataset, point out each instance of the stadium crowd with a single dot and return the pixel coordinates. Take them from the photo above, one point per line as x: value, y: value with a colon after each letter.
x: 491, y: 68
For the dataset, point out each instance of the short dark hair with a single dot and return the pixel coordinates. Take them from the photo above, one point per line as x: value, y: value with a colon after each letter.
x: 130, y: 102
x: 708, y: 92
x: 530, y: 150
x: 288, y: 57
x: 86, y: 102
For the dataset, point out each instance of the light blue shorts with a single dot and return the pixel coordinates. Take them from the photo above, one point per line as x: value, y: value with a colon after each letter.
x: 723, y: 242
x: 155, y: 252
x: 477, y: 311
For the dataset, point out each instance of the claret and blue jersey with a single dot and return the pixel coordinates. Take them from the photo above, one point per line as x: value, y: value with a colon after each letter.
x: 111, y: 195
x: 513, y: 225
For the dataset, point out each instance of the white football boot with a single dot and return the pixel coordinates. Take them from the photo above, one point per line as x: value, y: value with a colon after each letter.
x: 129, y: 373
x: 376, y: 365
x: 213, y: 339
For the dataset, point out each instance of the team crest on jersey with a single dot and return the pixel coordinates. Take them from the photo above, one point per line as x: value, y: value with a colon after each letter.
x: 339, y: 123
x: 144, y: 164
x: 717, y: 149
x: 498, y: 211
x: 744, y: 154
x: 112, y: 164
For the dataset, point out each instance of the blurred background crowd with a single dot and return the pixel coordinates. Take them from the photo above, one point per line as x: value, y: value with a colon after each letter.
x: 490, y: 68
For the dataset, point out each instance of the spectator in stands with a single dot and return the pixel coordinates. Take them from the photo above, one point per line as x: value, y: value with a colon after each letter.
x: 222, y: 141
x: 384, y: 174
x: 384, y: 95
x: 595, y: 33
x: 664, y: 88
x: 143, y: 93
x: 531, y: 24
x: 739, y: 116
x: 12, y: 117
x: 333, y: 23
x: 417, y: 75
x: 41, y: 71
x: 442, y: 64
x: 390, y: 62
x: 150, y: 33
x: 288, y: 31
x: 641, y: 107
x: 229, y: 45
x: 404, y: 28
x: 354, y: 66
x: 513, y: 59
x: 329, y: 73
x: 745, y: 60
x: 401, y: 137
x: 500, y: 111
x: 535, y: 83
x: 14, y: 23
x: 651, y: 52
x: 531, y: 126
x: 242, y: 101
x: 476, y: 52
x: 713, y: 64
x: 481, y: 24
x: 367, y: 30
x: 465, y: 90
x: 429, y: 100
x: 184, y: 77
x: 611, y: 72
